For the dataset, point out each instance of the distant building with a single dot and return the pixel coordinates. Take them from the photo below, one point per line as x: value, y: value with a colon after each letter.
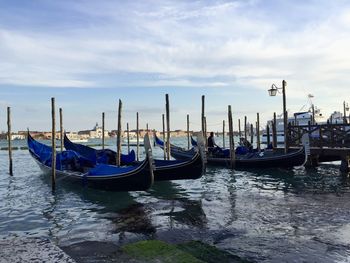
x: 95, y: 132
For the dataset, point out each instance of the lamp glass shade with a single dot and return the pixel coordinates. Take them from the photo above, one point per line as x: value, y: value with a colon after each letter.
x: 272, y: 91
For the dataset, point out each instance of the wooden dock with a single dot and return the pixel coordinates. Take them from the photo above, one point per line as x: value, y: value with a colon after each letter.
x: 328, y: 142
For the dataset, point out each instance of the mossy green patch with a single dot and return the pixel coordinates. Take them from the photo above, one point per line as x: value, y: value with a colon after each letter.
x: 155, y: 250
x: 208, y: 253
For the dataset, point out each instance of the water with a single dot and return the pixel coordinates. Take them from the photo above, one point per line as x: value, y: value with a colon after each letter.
x: 269, y: 216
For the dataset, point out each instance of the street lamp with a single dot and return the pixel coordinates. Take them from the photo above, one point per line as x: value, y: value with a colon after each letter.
x: 273, y: 92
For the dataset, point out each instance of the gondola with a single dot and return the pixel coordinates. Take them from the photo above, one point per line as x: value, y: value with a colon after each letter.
x: 262, y: 159
x: 192, y: 167
x: 176, y: 152
x: 76, y: 168
x: 106, y: 156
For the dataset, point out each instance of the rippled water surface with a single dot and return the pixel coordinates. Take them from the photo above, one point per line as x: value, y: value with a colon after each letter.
x: 264, y: 215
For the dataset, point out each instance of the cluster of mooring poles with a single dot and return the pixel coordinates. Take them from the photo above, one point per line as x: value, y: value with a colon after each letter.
x: 248, y: 130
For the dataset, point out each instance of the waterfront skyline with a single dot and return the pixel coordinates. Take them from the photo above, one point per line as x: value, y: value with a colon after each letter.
x: 88, y: 55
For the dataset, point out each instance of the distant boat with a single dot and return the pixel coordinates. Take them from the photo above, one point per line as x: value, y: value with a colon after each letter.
x: 79, y: 140
x: 76, y: 168
x: 132, y: 141
x: 300, y: 118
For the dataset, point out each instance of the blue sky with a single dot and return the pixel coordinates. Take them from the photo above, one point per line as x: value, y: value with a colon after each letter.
x: 89, y: 54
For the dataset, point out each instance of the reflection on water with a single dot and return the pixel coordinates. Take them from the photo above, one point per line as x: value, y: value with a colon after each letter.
x: 266, y: 215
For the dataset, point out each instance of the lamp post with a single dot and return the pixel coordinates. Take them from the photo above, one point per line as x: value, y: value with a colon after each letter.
x: 273, y: 92
x: 345, y: 108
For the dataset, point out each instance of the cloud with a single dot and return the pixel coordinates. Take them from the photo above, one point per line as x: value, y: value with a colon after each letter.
x: 213, y: 44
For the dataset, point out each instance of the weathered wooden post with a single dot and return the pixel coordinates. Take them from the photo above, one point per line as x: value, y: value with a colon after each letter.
x: 251, y: 134
x: 167, y: 125
x: 205, y: 129
x: 9, y: 140
x: 202, y: 115
x: 258, y: 131
x: 313, y: 114
x: 147, y: 130
x: 320, y: 135
x: 274, y: 131
x: 61, y: 129
x: 309, y: 131
x: 53, y: 145
x: 344, y: 165
x: 245, y: 128
x: 164, y: 144
x: 203, y: 123
x: 268, y: 135
x: 289, y: 133
x: 137, y: 136
x: 344, y: 112
x: 232, y: 145
x: 119, y: 134
x: 188, y: 131
x: 103, y: 130
x: 239, y: 129
x: 128, y: 136
x: 223, y: 134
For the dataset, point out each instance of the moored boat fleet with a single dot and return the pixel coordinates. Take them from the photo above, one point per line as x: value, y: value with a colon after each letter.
x: 97, y: 168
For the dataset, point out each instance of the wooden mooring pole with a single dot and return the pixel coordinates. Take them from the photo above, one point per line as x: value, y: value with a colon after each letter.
x: 258, y: 131
x: 164, y: 144
x: 274, y: 131
x: 205, y: 127
x: 203, y: 123
x: 53, y: 145
x: 103, y: 130
x: 167, y: 125
x: 251, y: 134
x: 61, y: 129
x: 344, y: 165
x: 245, y: 128
x: 239, y: 129
x: 128, y: 136
x: 268, y: 135
x: 9, y: 140
x: 345, y: 106
x: 223, y: 134
x: 119, y: 134
x: 232, y: 144
x: 137, y: 136
x: 188, y: 131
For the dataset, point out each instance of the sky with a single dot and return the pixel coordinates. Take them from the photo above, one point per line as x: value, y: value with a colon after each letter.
x: 89, y: 54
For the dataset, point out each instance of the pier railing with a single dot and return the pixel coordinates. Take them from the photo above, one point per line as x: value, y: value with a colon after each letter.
x: 321, y: 135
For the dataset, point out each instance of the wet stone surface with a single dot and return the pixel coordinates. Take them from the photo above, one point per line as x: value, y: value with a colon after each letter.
x: 20, y: 249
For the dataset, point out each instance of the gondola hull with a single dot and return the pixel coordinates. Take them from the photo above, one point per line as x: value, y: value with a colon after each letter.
x: 192, y: 168
x: 137, y: 181
x: 268, y: 159
x: 273, y: 160
x: 106, y: 177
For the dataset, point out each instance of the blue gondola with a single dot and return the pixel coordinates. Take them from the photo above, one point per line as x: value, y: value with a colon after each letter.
x: 265, y: 159
x: 192, y: 167
x: 72, y: 166
x: 106, y: 156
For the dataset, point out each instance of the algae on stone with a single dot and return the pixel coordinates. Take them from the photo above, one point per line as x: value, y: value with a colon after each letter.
x: 208, y: 253
x: 155, y: 250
